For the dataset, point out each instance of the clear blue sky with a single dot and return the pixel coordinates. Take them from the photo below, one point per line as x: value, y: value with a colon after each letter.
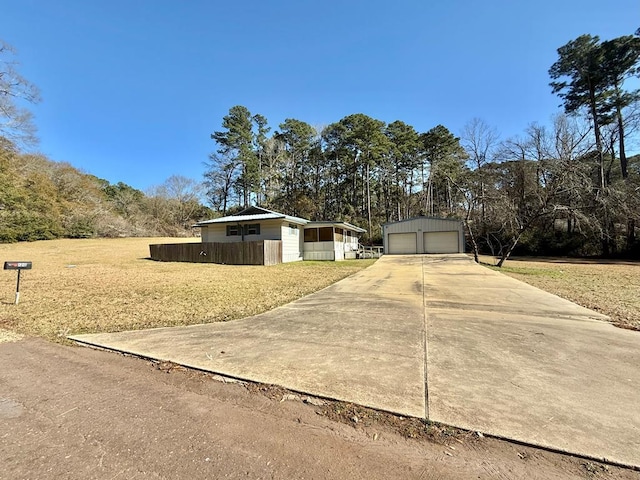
x: 132, y: 89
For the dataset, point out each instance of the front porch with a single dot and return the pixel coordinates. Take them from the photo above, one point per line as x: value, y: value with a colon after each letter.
x: 332, y: 241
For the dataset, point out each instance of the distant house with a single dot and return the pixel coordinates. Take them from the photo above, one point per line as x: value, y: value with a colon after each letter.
x: 301, y: 239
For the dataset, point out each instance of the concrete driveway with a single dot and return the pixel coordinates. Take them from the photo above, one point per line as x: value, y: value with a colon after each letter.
x: 436, y: 337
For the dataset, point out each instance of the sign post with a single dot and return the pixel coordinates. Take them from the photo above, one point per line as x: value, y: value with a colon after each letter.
x: 19, y: 266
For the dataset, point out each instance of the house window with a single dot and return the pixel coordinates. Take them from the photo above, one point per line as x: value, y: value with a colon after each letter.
x: 237, y: 230
x: 252, y: 229
x: 325, y: 234
x: 338, y: 234
x: 310, y: 234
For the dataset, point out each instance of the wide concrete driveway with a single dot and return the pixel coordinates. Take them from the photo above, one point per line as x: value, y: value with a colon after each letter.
x: 437, y: 337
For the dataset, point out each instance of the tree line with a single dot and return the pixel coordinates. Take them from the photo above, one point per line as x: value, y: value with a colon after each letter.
x: 41, y: 200
x: 564, y: 189
x: 568, y: 188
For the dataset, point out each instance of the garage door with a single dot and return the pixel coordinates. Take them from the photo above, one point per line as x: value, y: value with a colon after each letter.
x: 440, y: 242
x: 402, y: 243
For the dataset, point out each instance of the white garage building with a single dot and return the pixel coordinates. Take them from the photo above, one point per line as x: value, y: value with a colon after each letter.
x: 423, y: 235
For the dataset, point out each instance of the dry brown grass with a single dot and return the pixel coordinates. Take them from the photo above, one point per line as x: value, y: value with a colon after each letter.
x: 607, y: 286
x: 108, y: 285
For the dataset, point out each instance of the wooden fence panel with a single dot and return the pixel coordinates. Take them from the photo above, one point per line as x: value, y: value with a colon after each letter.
x: 266, y: 252
x: 272, y: 252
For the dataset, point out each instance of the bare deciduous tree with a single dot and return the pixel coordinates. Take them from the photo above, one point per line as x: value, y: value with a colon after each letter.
x: 480, y: 142
x: 16, y: 122
x: 184, y: 194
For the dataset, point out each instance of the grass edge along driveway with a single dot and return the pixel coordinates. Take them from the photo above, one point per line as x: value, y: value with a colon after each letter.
x: 108, y: 285
x: 610, y: 287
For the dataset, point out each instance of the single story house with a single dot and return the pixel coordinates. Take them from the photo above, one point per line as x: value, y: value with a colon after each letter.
x: 301, y: 239
x: 424, y: 235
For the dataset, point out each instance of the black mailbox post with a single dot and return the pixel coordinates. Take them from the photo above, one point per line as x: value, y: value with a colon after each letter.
x: 19, y: 266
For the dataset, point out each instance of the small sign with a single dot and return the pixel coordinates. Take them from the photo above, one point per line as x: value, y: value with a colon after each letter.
x: 17, y: 265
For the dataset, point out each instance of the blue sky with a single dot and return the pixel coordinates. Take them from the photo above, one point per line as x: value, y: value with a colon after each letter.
x: 132, y: 89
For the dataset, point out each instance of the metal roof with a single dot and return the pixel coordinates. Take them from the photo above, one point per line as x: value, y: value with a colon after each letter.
x: 344, y: 225
x: 253, y: 214
x: 260, y: 214
x: 456, y: 220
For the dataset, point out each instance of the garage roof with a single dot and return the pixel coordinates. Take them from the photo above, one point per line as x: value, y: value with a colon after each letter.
x: 452, y: 220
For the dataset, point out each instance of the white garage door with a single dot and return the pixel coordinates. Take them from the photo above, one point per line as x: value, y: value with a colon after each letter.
x: 400, y: 243
x: 440, y: 242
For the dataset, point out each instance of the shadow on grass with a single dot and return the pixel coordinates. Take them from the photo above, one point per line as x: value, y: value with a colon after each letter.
x: 576, y: 261
x: 561, y: 261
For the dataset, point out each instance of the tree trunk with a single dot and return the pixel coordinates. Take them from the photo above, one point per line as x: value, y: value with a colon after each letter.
x: 596, y: 131
x: 369, y: 202
x: 430, y: 195
x: 509, y: 250
x: 631, y: 234
x: 606, y: 237
x: 623, y: 155
x: 245, y: 185
x: 602, y: 193
x: 472, y: 237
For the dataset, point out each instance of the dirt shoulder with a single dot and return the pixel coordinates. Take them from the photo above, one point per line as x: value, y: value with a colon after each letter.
x: 72, y: 412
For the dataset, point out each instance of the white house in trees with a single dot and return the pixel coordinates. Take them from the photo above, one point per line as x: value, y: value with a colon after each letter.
x: 301, y: 239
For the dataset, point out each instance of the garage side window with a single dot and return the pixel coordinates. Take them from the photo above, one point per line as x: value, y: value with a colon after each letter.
x: 233, y: 230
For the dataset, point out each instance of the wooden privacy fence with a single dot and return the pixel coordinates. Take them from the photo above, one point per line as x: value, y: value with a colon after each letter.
x: 263, y: 252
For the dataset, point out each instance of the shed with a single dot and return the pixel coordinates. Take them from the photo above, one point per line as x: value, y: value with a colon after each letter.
x: 424, y: 235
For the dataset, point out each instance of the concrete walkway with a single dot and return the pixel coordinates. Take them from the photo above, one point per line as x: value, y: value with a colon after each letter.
x: 436, y: 337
